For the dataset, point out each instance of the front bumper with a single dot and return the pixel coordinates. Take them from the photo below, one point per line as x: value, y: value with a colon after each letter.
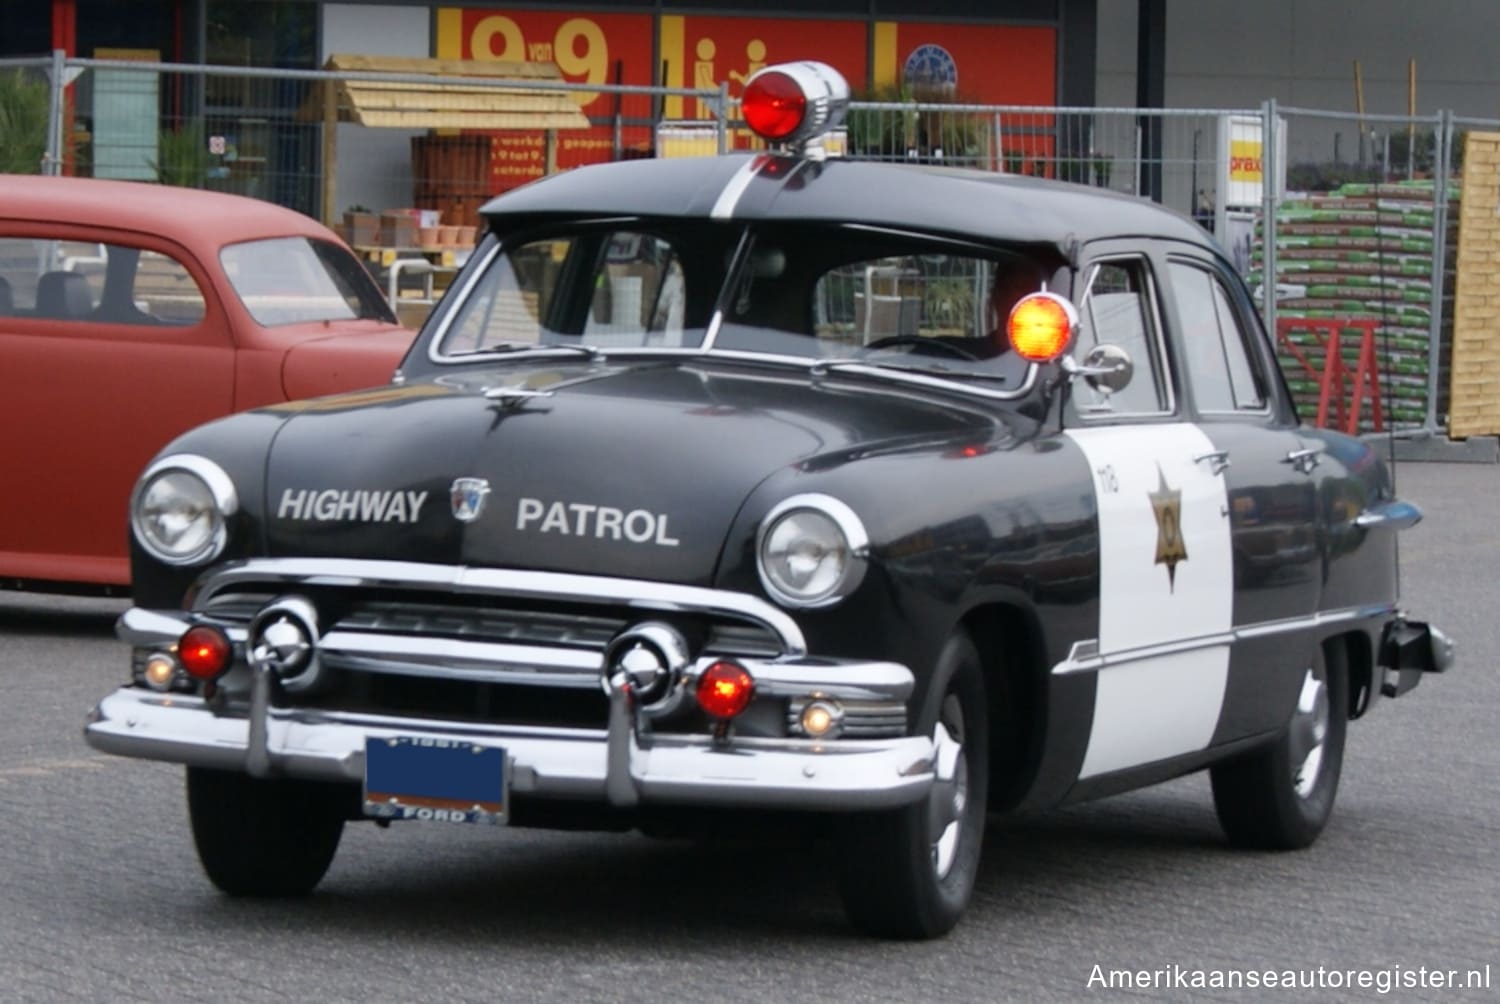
x: 571, y: 763
x: 624, y: 764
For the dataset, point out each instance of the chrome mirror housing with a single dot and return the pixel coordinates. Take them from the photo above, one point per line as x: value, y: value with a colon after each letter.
x: 1107, y: 368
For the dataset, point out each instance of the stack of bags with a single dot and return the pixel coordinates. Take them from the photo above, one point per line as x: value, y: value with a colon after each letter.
x: 1361, y: 252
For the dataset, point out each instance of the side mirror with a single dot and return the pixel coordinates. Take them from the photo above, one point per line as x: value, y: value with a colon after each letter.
x: 1107, y: 368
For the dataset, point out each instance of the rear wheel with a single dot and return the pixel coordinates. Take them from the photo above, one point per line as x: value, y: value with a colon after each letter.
x: 1280, y: 797
x: 908, y: 873
x: 263, y: 837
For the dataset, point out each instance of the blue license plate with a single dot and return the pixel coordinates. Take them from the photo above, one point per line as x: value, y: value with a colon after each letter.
x: 442, y: 780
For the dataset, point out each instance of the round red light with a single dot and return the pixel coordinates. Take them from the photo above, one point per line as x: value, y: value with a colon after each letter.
x: 204, y: 652
x: 1040, y: 328
x: 774, y: 105
x: 725, y: 689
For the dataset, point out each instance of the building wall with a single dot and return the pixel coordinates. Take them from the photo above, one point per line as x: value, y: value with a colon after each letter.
x: 1231, y: 54
x: 374, y: 165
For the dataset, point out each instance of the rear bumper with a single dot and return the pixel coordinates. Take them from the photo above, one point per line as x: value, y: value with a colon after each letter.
x: 1409, y: 649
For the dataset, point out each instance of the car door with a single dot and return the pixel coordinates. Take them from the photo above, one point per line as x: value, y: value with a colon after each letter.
x: 1162, y: 656
x: 108, y: 350
x: 1271, y: 474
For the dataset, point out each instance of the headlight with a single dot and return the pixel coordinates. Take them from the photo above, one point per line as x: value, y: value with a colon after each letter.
x: 811, y: 551
x: 180, y: 507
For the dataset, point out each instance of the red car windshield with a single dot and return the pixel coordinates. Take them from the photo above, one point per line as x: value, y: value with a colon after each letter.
x: 293, y: 280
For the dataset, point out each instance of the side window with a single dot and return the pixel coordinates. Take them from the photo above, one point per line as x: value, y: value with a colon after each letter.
x: 1117, y: 310
x: 103, y: 283
x: 1216, y: 353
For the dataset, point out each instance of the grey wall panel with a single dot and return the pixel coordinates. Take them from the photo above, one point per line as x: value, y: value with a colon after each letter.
x: 374, y: 165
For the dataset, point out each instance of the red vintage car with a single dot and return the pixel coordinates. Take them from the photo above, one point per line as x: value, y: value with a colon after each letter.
x: 132, y: 312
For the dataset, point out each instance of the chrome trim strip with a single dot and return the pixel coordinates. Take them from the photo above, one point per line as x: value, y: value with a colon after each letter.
x: 416, y: 655
x: 1394, y: 514
x: 1084, y: 657
x: 633, y: 594
x: 770, y: 773
x: 462, y: 293
x: 723, y: 208
x: 848, y: 681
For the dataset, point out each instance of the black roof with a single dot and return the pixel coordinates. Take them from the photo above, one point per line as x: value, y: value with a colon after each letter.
x: 978, y: 204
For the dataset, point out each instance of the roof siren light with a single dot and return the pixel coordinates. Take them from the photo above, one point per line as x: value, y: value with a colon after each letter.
x: 795, y: 104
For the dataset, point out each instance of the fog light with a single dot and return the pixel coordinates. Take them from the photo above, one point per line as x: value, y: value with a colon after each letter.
x: 205, y: 652
x: 159, y: 671
x: 821, y: 719
x: 725, y: 689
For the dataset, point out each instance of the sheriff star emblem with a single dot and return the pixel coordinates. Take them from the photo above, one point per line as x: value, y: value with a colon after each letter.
x: 1166, y: 503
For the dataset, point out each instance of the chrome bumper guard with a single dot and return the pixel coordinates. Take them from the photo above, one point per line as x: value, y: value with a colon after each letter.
x: 624, y: 764
x: 1408, y: 649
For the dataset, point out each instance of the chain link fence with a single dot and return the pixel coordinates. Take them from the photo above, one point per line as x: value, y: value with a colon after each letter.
x: 1356, y: 236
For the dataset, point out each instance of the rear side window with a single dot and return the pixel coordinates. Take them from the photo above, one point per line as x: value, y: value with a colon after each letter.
x: 87, y: 282
x: 1215, y: 350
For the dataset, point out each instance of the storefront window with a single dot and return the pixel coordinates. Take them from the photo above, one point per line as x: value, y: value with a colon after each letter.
x: 268, y: 154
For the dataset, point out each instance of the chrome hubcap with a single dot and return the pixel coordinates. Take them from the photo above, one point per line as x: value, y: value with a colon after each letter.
x: 950, y: 788
x: 1309, y: 730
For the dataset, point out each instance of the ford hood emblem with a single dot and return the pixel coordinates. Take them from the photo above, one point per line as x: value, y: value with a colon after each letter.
x: 468, y: 495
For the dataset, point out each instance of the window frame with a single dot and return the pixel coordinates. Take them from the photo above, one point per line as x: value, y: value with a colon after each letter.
x: 1156, y: 339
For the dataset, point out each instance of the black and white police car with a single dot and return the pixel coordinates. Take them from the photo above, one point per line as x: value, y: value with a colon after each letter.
x: 893, y: 496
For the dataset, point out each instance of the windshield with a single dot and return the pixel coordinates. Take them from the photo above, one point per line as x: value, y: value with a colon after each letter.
x: 293, y: 280
x: 819, y: 292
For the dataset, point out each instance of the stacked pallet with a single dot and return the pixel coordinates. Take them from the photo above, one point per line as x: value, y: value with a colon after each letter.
x: 1362, y: 253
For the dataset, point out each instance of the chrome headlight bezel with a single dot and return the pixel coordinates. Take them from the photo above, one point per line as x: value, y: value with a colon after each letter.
x: 219, y: 493
x: 852, y: 542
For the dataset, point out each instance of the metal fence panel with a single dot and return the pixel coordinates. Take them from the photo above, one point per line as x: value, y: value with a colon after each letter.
x: 1356, y: 232
x: 1358, y: 252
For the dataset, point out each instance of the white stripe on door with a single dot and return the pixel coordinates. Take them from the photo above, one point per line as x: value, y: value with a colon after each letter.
x: 1149, y: 709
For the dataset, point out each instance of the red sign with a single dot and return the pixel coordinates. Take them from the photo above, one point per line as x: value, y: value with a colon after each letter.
x: 976, y: 63
x: 703, y: 52
x: 588, y: 48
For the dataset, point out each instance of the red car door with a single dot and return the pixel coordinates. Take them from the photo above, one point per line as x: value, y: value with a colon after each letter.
x: 108, y: 349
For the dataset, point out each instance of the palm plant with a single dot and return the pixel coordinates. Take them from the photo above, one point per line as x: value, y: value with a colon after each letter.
x: 24, y: 105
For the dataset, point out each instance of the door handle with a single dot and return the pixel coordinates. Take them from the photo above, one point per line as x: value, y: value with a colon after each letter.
x: 1303, y: 461
x: 1218, y: 461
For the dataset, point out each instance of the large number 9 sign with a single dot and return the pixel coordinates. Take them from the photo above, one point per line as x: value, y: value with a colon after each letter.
x: 499, y: 37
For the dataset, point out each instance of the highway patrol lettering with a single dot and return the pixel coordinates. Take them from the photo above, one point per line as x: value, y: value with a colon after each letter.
x: 602, y: 522
x: 356, y: 506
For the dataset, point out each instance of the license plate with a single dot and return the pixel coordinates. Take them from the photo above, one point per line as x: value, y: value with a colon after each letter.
x: 441, y: 780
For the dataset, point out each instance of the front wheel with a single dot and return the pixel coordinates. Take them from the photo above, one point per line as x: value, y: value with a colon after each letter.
x: 909, y: 872
x: 258, y: 837
x: 1280, y: 797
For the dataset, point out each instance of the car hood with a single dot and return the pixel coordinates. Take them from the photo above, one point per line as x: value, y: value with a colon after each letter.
x: 339, y: 361
x: 610, y: 468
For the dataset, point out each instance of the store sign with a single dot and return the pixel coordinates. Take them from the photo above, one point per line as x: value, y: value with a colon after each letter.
x: 974, y: 63
x: 703, y: 52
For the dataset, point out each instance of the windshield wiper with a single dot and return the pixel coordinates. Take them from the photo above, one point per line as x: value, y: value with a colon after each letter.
x: 825, y: 366
x: 503, y: 348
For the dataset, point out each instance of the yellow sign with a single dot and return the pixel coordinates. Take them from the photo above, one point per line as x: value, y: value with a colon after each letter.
x: 1244, y: 160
